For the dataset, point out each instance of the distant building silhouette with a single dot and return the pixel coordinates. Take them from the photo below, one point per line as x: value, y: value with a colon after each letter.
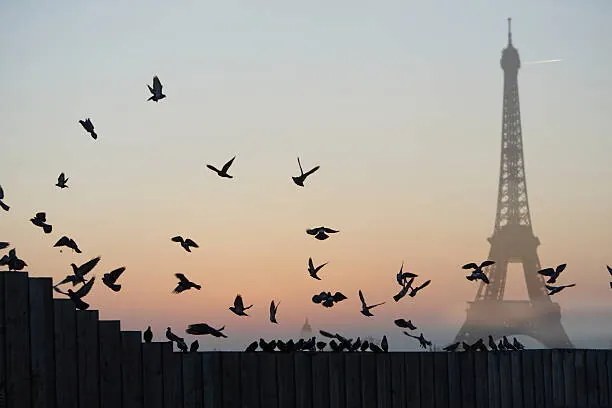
x: 513, y: 241
x: 306, y: 330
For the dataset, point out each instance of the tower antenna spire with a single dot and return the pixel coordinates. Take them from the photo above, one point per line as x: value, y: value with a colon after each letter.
x: 509, y: 30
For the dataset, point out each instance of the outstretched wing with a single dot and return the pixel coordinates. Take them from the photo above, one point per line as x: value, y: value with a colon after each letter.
x: 547, y: 272
x: 309, y: 172
x: 115, y: 274
x: 487, y: 263
x: 88, y: 266
x: 311, y: 264
x: 227, y: 165
x: 41, y: 216
x: 238, y: 302
x: 549, y: 287
x: 191, y: 243
x: 363, y: 302
x: 63, y: 241
x: 213, y: 168
x: 1, y: 193
x: 329, y: 230
x: 157, y: 86
x: 609, y: 269
x: 560, y: 268
x: 313, y: 231
x: 84, y: 290
x: 178, y: 238
x: 424, y: 285
x: 470, y: 265
x: 181, y: 277
x: 300, y: 164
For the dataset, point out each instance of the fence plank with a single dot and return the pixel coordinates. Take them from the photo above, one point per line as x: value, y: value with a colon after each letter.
x: 407, y: 386
x: 152, y: 376
x: 468, y: 378
x: 131, y: 369
x: 383, y: 380
x: 172, y: 373
x: 352, y: 372
x: 287, y: 383
x: 320, y: 380
x: 88, y: 359
x: 528, y: 378
x: 2, y: 343
x: 569, y: 377
x: 580, y: 372
x: 539, y: 398
x: 192, y: 380
x: 440, y: 365
x: 427, y: 379
x: 558, y: 387
x: 494, y: 379
x: 110, y: 363
x: 591, y: 378
x: 454, y: 380
x: 267, y: 377
x: 66, y: 378
x: 517, y: 381
x: 249, y: 380
x: 481, y: 375
x: 230, y: 366
x: 17, y: 339
x: 604, y: 396
x: 609, y: 367
x: 337, y: 397
x: 547, y: 376
x: 211, y: 379
x: 42, y: 343
x: 368, y: 379
x: 303, y: 380
x: 505, y: 380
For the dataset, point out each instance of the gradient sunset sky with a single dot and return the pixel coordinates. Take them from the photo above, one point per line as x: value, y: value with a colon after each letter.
x: 400, y: 104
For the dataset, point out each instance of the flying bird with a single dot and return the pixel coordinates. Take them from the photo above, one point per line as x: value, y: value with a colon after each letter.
x: 89, y: 127
x: 156, y: 91
x: 312, y: 270
x: 405, y: 324
x: 12, y: 261
x: 204, y: 329
x: 321, y: 233
x: 173, y: 337
x: 79, y: 272
x: 424, y: 342
x: 185, y: 243
x: 40, y: 220
x: 402, y: 277
x: 552, y: 273
x: 77, y: 297
x: 415, y: 290
x: 224, y: 169
x: 299, y: 180
x: 148, y: 335
x: 62, y: 180
x: 273, y: 310
x: 407, y: 286
x: 2, y: 204
x: 111, y: 277
x: 365, y: 309
x: 239, y: 307
x: 69, y: 243
x: 557, y: 289
x: 477, y: 272
x: 184, y: 284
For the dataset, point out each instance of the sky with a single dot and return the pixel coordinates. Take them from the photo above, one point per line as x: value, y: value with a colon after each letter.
x: 400, y: 104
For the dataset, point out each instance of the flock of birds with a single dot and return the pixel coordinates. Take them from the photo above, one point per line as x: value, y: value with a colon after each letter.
x: 406, y: 281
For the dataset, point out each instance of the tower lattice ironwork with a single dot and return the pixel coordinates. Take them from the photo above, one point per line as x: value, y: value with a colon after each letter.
x: 513, y: 241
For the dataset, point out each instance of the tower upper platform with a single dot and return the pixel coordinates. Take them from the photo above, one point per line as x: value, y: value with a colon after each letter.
x: 510, y: 61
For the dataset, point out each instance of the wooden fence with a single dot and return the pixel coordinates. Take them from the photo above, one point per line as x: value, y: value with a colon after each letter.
x: 54, y: 356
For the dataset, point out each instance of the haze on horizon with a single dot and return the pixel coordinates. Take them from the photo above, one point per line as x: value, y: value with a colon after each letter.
x: 399, y: 103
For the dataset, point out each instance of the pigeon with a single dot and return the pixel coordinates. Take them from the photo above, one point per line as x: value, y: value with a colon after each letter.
x: 185, y: 243
x: 173, y: 337
x: 338, y: 297
x: 312, y: 270
x: 321, y: 345
x: 479, y: 345
x: 61, y: 181
x: 466, y: 346
x: 273, y: 309
x: 148, y: 335
x: 517, y: 344
x: 2, y: 204
x: 552, y: 274
x: 302, y: 177
x: 402, y: 277
x: 89, y: 127
x: 500, y: 345
x: 451, y: 347
x: 507, y: 344
x: 424, y: 342
x: 384, y: 344
x: 365, y: 309
x: 79, y: 272
x: 238, y: 307
x: 252, y: 347
x: 184, y: 284
x: 193, y: 347
x: 68, y: 242
x: 375, y: 348
x: 415, y: 290
x: 204, y: 329
x: 12, y: 261
x: 40, y: 220
x: 405, y: 324
x: 156, y: 91
x: 407, y: 287
x: 477, y: 272
x: 557, y: 289
x: 181, y: 345
x: 4, y: 245
x: 77, y: 297
x: 224, y: 169
x: 110, y: 278
x: 267, y: 347
x: 492, y: 344
x: 321, y: 233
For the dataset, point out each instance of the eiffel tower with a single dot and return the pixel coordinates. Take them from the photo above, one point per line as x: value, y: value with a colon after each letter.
x: 513, y: 241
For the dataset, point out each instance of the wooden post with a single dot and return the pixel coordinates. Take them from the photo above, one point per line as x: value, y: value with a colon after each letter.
x: 493, y: 379
x: 110, y: 364
x: 211, y: 378
x: 547, y: 376
x: 481, y: 375
x: 337, y: 397
x: 383, y: 380
x: 192, y: 380
x: 152, y: 378
x: 286, y: 379
x: 569, y: 377
x: 17, y: 339
x: 441, y: 389
x: 303, y: 380
x: 352, y: 376
x: 407, y: 387
x: 230, y: 366
x: 42, y: 343
x: 131, y: 369
x: 517, y: 381
x: 580, y: 373
x: 558, y: 386
x: 454, y: 380
x: 468, y: 378
x: 539, y: 397
x: 172, y: 372
x: 604, y: 395
x: 528, y: 378
x: 609, y: 365
x: 66, y: 377
x: 88, y: 358
x: 320, y: 380
x: 427, y: 379
x: 369, y: 381
x: 267, y: 377
x: 249, y: 380
x: 505, y: 379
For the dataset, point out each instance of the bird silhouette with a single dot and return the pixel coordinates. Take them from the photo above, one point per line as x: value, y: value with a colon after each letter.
x: 267, y: 347
x: 77, y: 297
x: 111, y: 277
x: 184, y: 284
x: 40, y: 220
x: 405, y: 324
x: 205, y: 329
x: 321, y: 233
x: 239, y: 307
x: 302, y: 177
x: 156, y: 91
x: 224, y: 169
x: 402, y: 277
x: 61, y: 181
x: 12, y: 261
x: 422, y: 341
x: 384, y: 344
x: 89, y: 127
x: 365, y: 309
x: 79, y: 272
x: 148, y: 335
x: 492, y: 344
x: 517, y: 344
x: 173, y: 337
x: 181, y: 345
x: 312, y: 270
x: 252, y: 347
x: 500, y: 345
x: 552, y: 273
x: 4, y: 245
x: 507, y: 344
x: 477, y: 272
x: 2, y: 204
x: 405, y: 288
x: 557, y: 289
x: 187, y: 244
x: 273, y: 310
x: 416, y: 289
x: 321, y: 345
x: 67, y: 242
x: 451, y: 347
x: 193, y: 347
x: 610, y: 272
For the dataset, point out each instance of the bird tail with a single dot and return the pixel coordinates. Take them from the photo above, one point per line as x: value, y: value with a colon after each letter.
x: 115, y: 288
x: 4, y: 206
x: 198, y: 287
x: 47, y: 228
x: 94, y: 135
